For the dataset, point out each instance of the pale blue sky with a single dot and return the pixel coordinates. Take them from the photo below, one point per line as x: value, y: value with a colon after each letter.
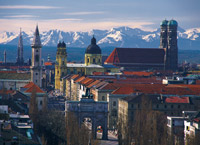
x: 84, y: 15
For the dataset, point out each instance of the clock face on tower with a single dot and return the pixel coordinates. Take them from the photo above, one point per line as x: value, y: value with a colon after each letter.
x: 37, y: 58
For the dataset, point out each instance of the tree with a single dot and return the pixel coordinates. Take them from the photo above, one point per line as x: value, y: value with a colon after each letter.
x: 147, y: 128
x: 33, y: 108
x: 77, y: 134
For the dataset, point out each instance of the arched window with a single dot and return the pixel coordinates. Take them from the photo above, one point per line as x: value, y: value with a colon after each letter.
x: 93, y: 60
x: 88, y: 60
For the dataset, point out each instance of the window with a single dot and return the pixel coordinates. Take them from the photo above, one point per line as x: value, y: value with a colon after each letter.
x: 99, y: 60
x: 179, y: 106
x: 165, y: 106
x: 132, y: 106
x: 103, y: 98
x: 36, y: 74
x: 62, y: 73
x: 93, y: 60
x: 36, y: 81
x: 138, y: 105
x: 114, y: 103
x: 172, y: 106
x: 157, y: 106
x: 36, y: 58
x: 88, y: 60
x: 63, y: 62
x: 57, y: 72
x: 36, y: 50
x: 40, y: 102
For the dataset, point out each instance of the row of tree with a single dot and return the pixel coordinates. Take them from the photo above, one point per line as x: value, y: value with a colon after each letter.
x: 56, y: 128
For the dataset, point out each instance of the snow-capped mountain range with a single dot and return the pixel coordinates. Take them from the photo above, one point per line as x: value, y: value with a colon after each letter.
x: 115, y: 37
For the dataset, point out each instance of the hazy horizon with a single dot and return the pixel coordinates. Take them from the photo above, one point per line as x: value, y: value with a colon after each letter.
x: 86, y: 15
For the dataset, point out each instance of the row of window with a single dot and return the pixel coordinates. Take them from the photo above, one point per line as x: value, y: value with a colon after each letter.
x: 94, y: 61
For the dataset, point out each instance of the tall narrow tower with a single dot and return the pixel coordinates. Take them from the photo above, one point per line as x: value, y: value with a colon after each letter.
x: 36, y: 69
x: 168, y: 41
x: 172, y: 45
x: 20, y: 59
x: 61, y: 63
x: 163, y: 34
x: 4, y: 56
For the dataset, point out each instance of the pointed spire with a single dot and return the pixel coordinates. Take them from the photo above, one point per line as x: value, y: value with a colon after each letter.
x: 4, y: 56
x: 20, y: 48
x: 36, y: 39
x: 93, y: 40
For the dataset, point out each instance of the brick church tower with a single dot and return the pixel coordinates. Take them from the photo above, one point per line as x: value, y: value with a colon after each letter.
x: 168, y: 41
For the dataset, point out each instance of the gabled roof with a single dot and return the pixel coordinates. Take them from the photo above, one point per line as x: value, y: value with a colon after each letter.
x: 100, y: 84
x: 74, y: 76
x: 136, y: 56
x: 79, y: 79
x: 93, y: 83
x: 86, y: 80
x: 29, y: 85
x: 32, y: 87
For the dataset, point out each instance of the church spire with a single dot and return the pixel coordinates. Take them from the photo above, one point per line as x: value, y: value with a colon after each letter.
x: 36, y: 39
x: 20, y: 48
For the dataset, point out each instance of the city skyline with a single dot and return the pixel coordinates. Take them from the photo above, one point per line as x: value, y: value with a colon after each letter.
x: 90, y: 14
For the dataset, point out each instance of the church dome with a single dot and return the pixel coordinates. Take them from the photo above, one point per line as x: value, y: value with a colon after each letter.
x: 59, y: 44
x: 63, y: 44
x: 164, y: 23
x: 172, y: 23
x: 93, y: 48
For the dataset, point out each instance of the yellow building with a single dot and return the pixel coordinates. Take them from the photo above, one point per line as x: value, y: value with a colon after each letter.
x: 93, y: 63
x: 93, y: 54
x: 61, y: 63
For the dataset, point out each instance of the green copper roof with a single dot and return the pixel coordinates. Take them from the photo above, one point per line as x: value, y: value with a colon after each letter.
x: 164, y: 23
x: 172, y: 22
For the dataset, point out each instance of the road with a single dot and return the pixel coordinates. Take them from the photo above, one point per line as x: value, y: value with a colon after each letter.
x: 112, y: 139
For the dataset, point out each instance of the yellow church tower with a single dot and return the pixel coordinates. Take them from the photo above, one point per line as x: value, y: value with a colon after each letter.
x: 93, y: 54
x: 61, y: 64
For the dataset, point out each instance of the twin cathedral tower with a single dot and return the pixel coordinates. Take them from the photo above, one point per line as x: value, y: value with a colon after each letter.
x: 168, y: 42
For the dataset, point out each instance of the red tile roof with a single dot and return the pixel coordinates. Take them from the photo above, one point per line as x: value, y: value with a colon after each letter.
x: 86, y: 80
x: 159, y: 89
x: 29, y: 85
x: 8, y: 71
x: 100, y: 73
x: 74, y: 76
x: 79, y: 79
x: 48, y: 63
x: 93, y: 83
x: 177, y: 100
x: 197, y: 119
x: 33, y: 87
x: 6, y: 92
x: 138, y: 73
x: 136, y: 55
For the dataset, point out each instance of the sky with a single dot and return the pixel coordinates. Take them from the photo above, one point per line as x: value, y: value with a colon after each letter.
x: 85, y: 15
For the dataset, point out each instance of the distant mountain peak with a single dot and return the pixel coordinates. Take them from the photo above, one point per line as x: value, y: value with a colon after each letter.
x: 120, y: 37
